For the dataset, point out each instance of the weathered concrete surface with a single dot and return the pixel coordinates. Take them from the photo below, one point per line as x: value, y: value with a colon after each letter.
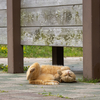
x: 16, y: 87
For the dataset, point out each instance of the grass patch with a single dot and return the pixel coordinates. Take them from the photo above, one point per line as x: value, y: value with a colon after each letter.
x: 50, y: 94
x: 89, y: 80
x: 60, y: 96
x: 2, y: 91
x: 42, y: 51
x: 21, y: 84
x: 44, y: 90
x: 73, y: 52
x: 67, y: 98
x: 47, y: 94
x: 37, y: 51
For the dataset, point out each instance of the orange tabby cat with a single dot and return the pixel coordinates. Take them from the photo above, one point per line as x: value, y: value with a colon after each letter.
x: 43, y: 75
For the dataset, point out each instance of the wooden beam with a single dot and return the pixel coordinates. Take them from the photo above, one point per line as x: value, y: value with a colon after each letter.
x: 57, y: 56
x: 15, y: 50
x: 91, y: 39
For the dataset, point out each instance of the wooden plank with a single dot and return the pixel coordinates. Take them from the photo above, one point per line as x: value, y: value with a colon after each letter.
x: 52, y: 36
x: 38, y: 3
x: 3, y: 18
x: 52, y: 16
x: 3, y: 4
x: 3, y: 35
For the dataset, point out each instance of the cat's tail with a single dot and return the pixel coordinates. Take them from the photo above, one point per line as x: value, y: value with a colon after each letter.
x: 40, y: 82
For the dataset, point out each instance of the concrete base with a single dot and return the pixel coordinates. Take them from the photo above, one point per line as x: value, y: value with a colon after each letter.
x: 16, y: 87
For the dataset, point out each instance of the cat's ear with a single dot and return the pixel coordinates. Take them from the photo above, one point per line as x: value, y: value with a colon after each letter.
x: 32, y: 69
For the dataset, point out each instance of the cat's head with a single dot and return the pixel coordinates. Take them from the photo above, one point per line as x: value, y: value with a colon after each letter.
x: 67, y: 76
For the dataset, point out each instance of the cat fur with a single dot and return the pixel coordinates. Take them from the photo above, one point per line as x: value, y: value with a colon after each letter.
x: 45, y: 74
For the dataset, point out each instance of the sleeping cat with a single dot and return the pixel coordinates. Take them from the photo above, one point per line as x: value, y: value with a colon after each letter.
x: 46, y: 74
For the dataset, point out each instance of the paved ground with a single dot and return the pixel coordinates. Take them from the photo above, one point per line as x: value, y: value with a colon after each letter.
x: 16, y: 87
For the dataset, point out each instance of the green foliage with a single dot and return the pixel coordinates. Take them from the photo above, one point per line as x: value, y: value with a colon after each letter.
x: 50, y: 94
x: 2, y: 91
x: 43, y: 51
x: 21, y: 84
x: 3, y: 51
x: 26, y: 68
x: 4, y: 68
x: 37, y: 51
x: 67, y: 98
x: 40, y: 51
x: 89, y: 80
x: 73, y: 52
x: 47, y: 94
x: 60, y: 96
x: 44, y: 90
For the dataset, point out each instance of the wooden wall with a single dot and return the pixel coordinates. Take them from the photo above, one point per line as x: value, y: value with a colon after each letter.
x: 47, y: 22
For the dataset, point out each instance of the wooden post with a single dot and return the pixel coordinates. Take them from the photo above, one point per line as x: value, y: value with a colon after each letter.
x: 57, y: 56
x: 15, y: 50
x: 91, y: 39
